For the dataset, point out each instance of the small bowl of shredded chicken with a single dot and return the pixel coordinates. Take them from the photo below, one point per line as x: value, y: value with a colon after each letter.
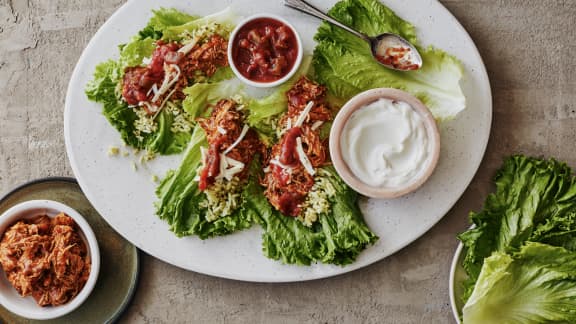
x: 49, y: 259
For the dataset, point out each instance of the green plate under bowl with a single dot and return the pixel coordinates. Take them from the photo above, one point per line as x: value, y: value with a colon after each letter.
x: 119, y: 258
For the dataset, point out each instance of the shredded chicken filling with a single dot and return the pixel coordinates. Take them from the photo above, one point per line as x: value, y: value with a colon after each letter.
x: 45, y: 258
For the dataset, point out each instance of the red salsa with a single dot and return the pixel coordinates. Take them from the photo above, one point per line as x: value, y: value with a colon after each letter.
x: 264, y: 50
x: 397, y: 57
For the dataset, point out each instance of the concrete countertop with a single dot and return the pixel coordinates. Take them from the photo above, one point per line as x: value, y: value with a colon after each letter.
x: 528, y: 48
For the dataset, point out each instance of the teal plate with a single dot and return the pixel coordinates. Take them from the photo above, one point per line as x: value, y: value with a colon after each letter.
x: 119, y: 259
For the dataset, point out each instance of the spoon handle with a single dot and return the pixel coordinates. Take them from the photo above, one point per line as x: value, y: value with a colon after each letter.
x: 307, y: 8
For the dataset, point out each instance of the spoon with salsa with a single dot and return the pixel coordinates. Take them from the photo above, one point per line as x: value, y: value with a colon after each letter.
x: 390, y: 50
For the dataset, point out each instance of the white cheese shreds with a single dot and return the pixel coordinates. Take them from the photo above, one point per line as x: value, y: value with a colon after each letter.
x: 188, y: 47
x: 203, y: 155
x: 280, y: 164
x: 302, y: 156
x: 304, y: 114
x: 151, y: 107
x: 238, y: 140
x: 235, y: 167
x: 163, y: 103
x: 153, y: 89
x: 221, y: 130
x: 171, y: 75
x: 316, y: 125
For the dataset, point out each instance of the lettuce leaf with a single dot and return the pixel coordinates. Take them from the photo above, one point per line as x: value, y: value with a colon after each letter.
x: 344, y: 63
x: 105, y: 87
x: 180, y: 199
x: 338, y: 237
x: 535, y: 285
x: 225, y: 19
x: 533, y: 200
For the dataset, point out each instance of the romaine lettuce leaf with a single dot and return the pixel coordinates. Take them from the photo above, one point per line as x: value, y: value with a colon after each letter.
x: 201, y: 95
x: 343, y: 62
x: 535, y: 285
x: 225, y: 21
x: 534, y: 201
x: 180, y: 199
x: 338, y: 237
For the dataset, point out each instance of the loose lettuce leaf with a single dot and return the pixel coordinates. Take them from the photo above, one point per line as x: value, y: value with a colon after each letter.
x: 535, y: 200
x: 338, y: 237
x: 535, y: 285
x: 343, y: 62
x: 179, y: 199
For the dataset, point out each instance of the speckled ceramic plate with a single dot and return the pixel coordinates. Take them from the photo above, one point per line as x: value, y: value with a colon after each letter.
x: 119, y: 259
x: 126, y: 197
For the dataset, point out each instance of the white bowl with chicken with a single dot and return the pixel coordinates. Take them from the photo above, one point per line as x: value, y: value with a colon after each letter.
x: 49, y: 259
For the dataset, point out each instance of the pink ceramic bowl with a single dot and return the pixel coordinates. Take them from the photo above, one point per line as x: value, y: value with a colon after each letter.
x: 362, y: 100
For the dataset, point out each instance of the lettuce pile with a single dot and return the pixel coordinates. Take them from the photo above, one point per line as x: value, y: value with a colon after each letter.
x: 343, y: 62
x: 521, y: 254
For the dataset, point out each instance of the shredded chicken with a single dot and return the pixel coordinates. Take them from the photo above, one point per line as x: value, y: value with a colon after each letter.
x: 45, y: 258
x: 223, y: 128
x: 287, y: 182
x: 139, y: 82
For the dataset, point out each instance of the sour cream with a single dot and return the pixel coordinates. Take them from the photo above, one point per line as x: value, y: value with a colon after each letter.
x: 385, y: 144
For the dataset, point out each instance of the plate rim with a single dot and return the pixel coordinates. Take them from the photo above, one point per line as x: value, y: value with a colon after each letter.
x: 487, y: 93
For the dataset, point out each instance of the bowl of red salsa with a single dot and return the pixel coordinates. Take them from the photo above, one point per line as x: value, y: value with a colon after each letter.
x: 264, y: 50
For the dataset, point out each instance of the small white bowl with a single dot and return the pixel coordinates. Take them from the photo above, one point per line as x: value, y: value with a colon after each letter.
x: 361, y: 100
x: 27, y: 306
x: 270, y: 84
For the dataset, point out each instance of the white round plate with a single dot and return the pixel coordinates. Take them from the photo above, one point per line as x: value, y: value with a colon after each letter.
x: 125, y: 197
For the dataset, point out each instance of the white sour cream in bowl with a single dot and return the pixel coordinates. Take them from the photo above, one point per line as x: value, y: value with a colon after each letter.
x: 384, y: 143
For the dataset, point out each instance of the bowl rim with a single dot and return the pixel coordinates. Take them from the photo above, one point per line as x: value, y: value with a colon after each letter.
x: 356, y: 103
x: 283, y: 79
x: 31, y: 208
x: 455, y: 264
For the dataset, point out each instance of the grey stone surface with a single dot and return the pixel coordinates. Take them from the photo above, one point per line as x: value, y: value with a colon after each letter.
x: 528, y: 47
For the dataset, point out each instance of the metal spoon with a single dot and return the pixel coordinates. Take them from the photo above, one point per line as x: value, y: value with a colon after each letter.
x: 390, y: 50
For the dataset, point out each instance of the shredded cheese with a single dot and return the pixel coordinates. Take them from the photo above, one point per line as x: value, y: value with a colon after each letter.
x: 203, y: 152
x: 170, y: 78
x: 153, y: 89
x: 163, y: 103
x: 280, y: 164
x: 303, y: 158
x: 229, y: 167
x: 188, y: 47
x: 238, y: 140
x: 221, y: 130
x: 304, y: 114
x: 317, y: 125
